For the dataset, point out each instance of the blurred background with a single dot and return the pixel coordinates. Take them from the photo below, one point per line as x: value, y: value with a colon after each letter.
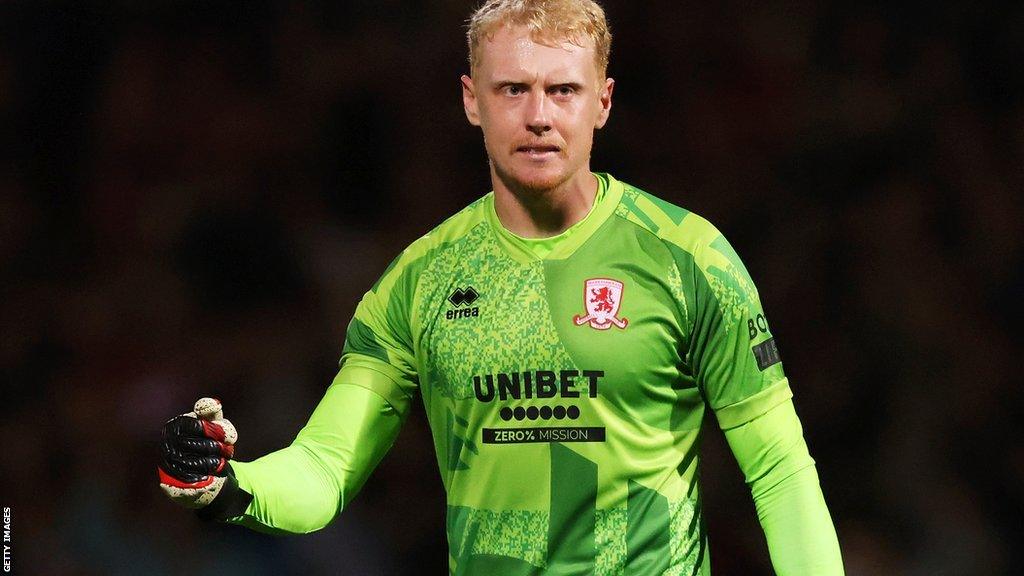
x: 194, y: 195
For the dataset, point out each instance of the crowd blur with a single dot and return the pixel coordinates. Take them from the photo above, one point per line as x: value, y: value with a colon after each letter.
x: 194, y: 195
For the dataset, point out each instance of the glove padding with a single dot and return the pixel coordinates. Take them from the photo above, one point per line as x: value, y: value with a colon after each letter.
x: 195, y: 450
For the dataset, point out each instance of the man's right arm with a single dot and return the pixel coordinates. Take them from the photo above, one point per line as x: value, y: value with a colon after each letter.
x: 301, y: 488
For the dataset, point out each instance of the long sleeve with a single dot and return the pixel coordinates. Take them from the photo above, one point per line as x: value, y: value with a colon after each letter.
x: 301, y: 488
x: 771, y: 451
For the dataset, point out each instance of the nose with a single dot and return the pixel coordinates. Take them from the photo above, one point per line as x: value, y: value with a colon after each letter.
x: 538, y: 119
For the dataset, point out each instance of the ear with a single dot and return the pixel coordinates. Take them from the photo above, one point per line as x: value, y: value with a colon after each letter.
x: 605, y: 97
x: 469, y: 101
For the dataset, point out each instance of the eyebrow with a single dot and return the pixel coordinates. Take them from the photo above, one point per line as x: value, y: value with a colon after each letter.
x: 570, y: 83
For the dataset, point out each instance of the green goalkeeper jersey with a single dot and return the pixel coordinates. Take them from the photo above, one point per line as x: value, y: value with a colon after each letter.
x: 565, y: 392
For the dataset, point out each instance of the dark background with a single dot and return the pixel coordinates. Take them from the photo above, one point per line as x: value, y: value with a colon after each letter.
x: 194, y: 195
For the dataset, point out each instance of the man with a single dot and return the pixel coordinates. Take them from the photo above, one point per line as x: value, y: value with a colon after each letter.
x: 565, y: 333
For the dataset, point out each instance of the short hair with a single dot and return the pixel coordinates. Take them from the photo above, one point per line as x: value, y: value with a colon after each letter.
x: 549, y: 22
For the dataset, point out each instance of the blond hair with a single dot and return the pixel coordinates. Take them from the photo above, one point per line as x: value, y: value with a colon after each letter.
x: 549, y: 22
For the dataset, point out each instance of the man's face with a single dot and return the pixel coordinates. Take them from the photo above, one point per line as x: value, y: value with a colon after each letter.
x: 538, y: 107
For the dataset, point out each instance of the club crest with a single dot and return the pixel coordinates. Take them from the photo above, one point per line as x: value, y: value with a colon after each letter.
x: 602, y: 297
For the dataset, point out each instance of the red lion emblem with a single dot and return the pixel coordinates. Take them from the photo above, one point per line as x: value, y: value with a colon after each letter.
x: 603, y: 299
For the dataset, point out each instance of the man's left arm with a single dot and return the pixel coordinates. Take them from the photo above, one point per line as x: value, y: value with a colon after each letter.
x: 739, y: 371
x: 771, y: 451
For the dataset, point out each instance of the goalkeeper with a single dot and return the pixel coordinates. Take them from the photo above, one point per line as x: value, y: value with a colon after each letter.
x: 566, y: 334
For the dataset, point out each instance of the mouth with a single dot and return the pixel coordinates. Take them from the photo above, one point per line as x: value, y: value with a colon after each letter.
x: 538, y: 151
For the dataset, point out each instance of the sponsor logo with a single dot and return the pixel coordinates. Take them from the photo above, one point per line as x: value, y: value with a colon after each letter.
x: 540, y: 385
x: 462, y: 299
x: 602, y: 298
x: 766, y: 353
x: 543, y: 413
x: 535, y: 384
x: 757, y: 325
x: 554, y: 434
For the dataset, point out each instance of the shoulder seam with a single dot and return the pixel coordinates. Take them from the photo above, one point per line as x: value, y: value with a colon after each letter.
x: 427, y: 243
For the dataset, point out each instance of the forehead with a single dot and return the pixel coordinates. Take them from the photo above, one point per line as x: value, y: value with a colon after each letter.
x: 511, y: 50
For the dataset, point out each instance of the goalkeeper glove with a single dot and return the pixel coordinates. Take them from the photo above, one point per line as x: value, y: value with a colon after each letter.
x: 194, y: 469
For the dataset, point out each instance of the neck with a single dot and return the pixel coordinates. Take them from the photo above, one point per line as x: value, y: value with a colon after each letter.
x: 531, y: 213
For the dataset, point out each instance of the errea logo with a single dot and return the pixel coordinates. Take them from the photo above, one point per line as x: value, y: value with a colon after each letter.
x: 465, y: 297
x: 462, y: 299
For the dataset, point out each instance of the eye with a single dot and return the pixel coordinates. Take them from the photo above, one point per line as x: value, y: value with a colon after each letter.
x: 513, y: 89
x: 563, y: 90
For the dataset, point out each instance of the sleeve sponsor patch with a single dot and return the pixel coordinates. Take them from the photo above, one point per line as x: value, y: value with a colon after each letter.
x: 767, y: 353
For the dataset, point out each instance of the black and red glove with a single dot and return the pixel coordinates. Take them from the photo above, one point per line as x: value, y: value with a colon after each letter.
x: 194, y: 469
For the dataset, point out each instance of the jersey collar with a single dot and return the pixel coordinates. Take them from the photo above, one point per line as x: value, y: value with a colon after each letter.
x: 565, y: 244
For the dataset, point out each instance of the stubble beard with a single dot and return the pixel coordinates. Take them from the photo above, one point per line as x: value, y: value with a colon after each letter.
x: 531, y: 190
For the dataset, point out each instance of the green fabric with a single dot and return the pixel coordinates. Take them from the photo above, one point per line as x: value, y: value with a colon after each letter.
x: 680, y: 342
x: 302, y: 488
x: 381, y: 378
x: 565, y: 392
x: 771, y: 451
x: 746, y: 410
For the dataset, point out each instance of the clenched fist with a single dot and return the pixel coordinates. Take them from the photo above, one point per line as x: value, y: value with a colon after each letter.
x: 194, y: 470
